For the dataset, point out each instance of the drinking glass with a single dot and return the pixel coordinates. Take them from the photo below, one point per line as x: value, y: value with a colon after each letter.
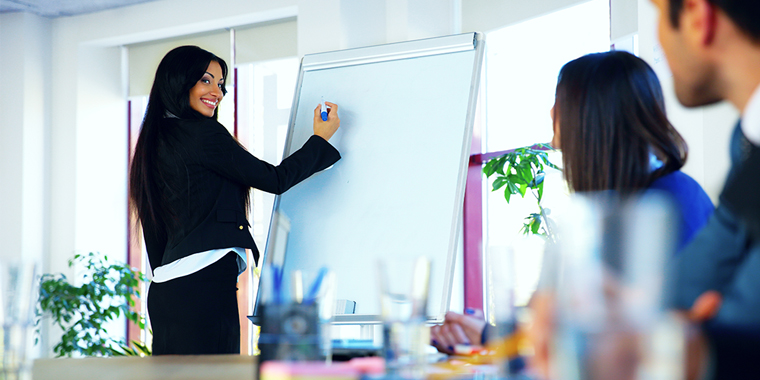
x: 610, y: 319
x: 403, y: 302
x: 18, y: 297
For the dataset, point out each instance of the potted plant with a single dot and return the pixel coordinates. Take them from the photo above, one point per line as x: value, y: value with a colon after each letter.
x: 521, y: 171
x: 107, y: 292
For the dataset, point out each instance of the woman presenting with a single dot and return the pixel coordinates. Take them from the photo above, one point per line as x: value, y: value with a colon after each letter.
x: 189, y: 187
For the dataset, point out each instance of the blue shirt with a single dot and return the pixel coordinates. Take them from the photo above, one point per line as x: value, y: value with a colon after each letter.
x: 692, y: 203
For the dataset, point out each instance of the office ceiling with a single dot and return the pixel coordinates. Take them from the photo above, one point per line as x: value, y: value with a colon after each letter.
x: 61, y: 8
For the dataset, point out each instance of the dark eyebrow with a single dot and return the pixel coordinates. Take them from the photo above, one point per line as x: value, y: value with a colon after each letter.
x: 212, y: 75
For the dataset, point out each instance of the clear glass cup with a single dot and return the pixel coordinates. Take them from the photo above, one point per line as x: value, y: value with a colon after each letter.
x: 500, y: 290
x: 609, y: 285
x: 404, y: 286
x: 18, y: 295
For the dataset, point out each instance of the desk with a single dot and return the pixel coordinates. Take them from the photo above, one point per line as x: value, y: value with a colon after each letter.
x: 202, y: 367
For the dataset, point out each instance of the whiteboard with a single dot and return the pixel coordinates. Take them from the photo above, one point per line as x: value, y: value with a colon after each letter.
x: 406, y: 113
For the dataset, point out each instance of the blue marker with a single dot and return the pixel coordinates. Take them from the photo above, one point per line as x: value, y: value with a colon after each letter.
x: 277, y: 284
x: 314, y: 290
x: 324, y: 110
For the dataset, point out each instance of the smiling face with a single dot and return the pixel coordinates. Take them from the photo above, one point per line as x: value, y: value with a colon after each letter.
x: 207, y: 93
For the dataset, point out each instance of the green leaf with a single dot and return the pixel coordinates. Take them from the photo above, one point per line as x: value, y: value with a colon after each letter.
x: 512, y: 188
x: 500, y: 164
x: 141, y: 349
x: 525, y: 173
x: 489, y: 168
x: 81, y: 311
x: 541, y: 189
x: 515, y: 179
x: 535, y: 225
x: 498, y: 183
x: 520, y: 170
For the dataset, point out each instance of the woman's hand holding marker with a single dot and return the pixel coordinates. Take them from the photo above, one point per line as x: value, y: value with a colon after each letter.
x: 326, y: 127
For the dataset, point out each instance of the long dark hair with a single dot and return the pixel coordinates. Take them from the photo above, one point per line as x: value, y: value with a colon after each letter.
x: 178, y: 72
x: 611, y: 116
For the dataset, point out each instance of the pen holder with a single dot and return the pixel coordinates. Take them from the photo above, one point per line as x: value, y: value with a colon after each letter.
x: 290, y: 332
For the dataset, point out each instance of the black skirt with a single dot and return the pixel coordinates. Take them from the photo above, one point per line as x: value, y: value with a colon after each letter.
x: 197, y: 314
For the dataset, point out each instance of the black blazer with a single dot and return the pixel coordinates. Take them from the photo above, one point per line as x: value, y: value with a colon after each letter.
x: 206, y: 178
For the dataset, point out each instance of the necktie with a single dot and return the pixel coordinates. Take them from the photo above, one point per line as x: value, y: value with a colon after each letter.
x: 742, y: 191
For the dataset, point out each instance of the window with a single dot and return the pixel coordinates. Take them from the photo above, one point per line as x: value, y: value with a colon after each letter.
x: 265, y: 93
x: 522, y: 64
x: 136, y: 246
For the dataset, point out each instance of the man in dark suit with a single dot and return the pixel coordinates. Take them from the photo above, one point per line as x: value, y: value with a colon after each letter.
x: 713, y: 49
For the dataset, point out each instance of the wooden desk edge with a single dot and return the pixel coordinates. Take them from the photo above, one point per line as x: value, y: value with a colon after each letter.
x: 191, y: 367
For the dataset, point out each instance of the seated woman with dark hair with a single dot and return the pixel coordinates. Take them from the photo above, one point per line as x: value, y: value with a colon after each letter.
x: 610, y: 123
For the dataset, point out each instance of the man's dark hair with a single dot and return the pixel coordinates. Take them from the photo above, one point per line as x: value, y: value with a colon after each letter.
x: 744, y: 13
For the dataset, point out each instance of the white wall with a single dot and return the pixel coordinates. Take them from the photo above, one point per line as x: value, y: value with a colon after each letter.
x: 373, y: 22
x: 624, y: 18
x: 487, y: 15
x: 101, y: 153
x: 25, y: 64
x: 11, y: 137
x: 24, y: 137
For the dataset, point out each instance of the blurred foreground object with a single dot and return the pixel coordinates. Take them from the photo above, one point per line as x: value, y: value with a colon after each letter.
x: 404, y: 286
x: 607, y: 282
x: 296, y: 327
x: 18, y: 296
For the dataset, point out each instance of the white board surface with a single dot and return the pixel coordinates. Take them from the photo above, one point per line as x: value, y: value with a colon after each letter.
x: 406, y: 113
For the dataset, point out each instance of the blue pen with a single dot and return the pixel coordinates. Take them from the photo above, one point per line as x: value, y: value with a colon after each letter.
x: 277, y: 284
x: 315, y: 287
x: 324, y: 110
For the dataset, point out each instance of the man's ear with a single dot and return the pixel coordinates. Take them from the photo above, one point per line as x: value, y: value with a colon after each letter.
x: 699, y: 18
